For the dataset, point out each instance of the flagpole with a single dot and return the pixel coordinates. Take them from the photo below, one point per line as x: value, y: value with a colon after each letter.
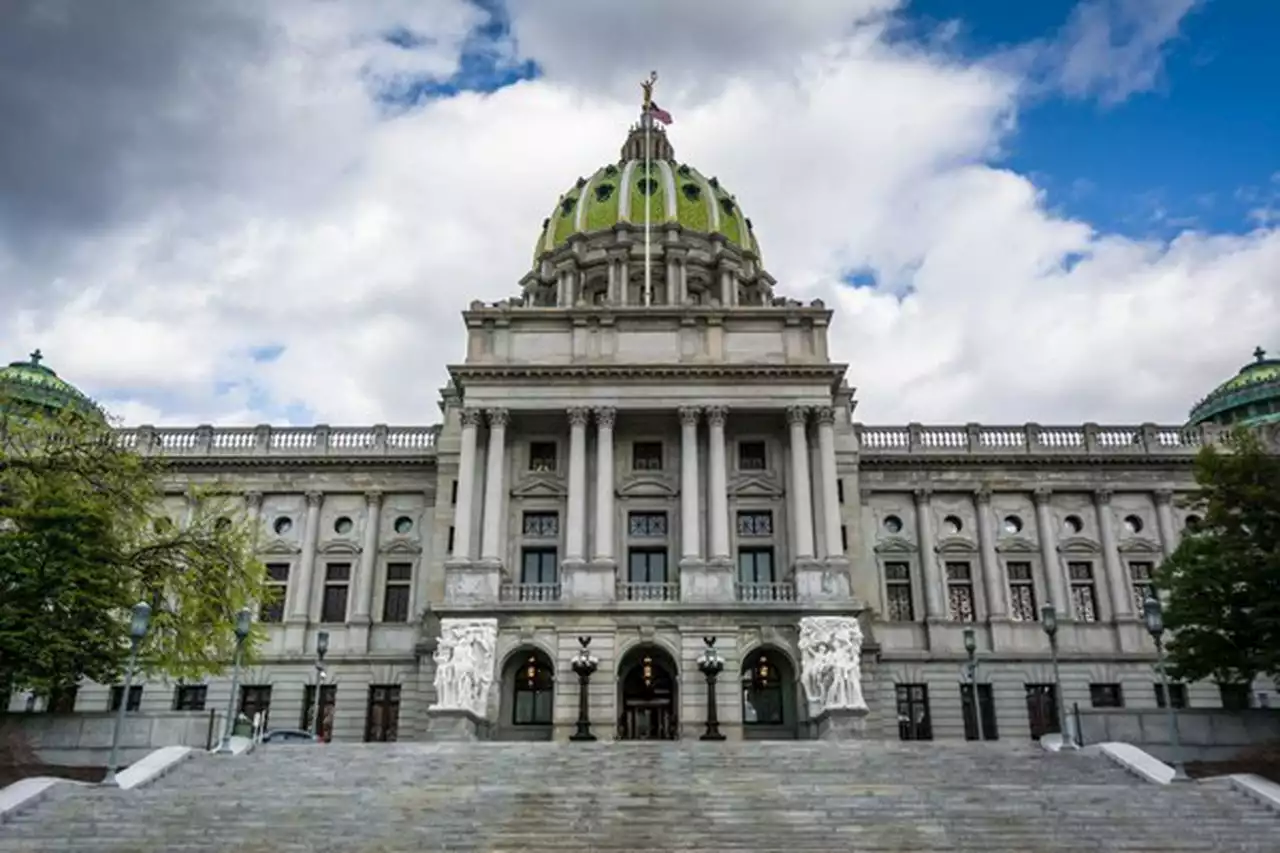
x: 647, y: 120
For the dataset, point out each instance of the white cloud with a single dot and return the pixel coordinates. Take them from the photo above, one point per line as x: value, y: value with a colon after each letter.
x: 354, y: 239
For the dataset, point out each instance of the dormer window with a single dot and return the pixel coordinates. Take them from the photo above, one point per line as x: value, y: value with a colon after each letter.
x: 604, y: 192
x: 693, y: 192
x: 542, y: 456
x: 567, y: 205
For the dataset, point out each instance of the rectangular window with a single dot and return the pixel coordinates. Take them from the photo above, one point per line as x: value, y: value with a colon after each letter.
x: 1042, y: 709
x: 844, y: 538
x: 190, y: 697
x: 1142, y: 576
x: 647, y: 525
x: 542, y: 456
x: 1235, y: 697
x: 839, y: 490
x: 755, y: 524
x: 256, y: 699
x: 1084, y: 597
x: 449, y: 545
x: 328, y: 699
x: 395, y: 601
x: 647, y: 565
x: 453, y: 493
x: 897, y: 582
x: 1177, y: 691
x: 382, y: 714
x: 960, y: 592
x: 755, y: 565
x: 913, y: 712
x: 751, y: 456
x: 646, y: 456
x: 540, y: 525
x: 272, y: 609
x: 117, y: 693
x: 1106, y: 696
x: 538, y: 565
x: 986, y: 702
x: 1022, y: 592
x: 337, y: 579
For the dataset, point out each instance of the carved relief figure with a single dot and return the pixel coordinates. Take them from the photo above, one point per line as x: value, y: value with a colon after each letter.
x: 464, y: 664
x: 831, y: 665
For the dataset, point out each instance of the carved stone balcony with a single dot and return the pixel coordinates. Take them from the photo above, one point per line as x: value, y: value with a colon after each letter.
x: 765, y: 592
x: 648, y: 591
x: 290, y: 442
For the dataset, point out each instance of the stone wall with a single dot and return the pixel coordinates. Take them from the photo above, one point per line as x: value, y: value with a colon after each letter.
x: 1207, y: 734
x: 84, y: 739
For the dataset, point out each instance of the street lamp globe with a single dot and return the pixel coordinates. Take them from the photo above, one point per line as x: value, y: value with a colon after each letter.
x: 322, y: 644
x: 244, y: 623
x: 1049, y: 619
x: 140, y: 622
x: 970, y: 641
x: 1153, y: 614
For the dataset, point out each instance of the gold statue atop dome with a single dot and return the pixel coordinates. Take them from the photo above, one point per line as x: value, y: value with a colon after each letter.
x: 647, y: 87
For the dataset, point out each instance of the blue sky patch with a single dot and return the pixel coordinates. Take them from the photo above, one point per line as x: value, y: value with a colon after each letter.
x: 266, y: 353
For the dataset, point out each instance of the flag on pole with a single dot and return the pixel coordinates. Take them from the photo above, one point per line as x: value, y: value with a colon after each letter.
x: 659, y: 114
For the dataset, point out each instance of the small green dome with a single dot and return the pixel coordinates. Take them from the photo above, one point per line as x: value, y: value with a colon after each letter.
x: 676, y: 194
x: 1251, y: 397
x: 30, y: 383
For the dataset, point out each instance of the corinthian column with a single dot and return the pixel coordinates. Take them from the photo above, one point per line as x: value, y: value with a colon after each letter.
x: 718, y: 500
x: 691, y: 539
x: 1164, y: 521
x: 301, y: 609
x: 466, y: 486
x: 494, y: 488
x: 826, y: 416
x: 1049, y: 554
x: 933, y: 600
x: 363, y: 605
x: 801, y: 506
x: 605, y: 418
x: 575, y: 546
x: 992, y: 574
x: 1121, y: 603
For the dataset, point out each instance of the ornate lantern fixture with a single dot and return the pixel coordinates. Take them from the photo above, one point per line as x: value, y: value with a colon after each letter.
x: 711, y: 665
x: 584, y: 665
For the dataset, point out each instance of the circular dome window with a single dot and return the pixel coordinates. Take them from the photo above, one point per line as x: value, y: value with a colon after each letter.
x: 343, y: 525
x: 1192, y: 523
x: 952, y: 524
x: 282, y: 525
x: 1072, y: 524
x: 403, y: 524
x: 893, y: 524
x: 1133, y: 524
x: 1012, y: 524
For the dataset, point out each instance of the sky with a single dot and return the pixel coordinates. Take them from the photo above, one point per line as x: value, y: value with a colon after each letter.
x: 237, y: 212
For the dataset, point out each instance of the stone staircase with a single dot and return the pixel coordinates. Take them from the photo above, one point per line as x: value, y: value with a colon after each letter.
x: 779, y: 796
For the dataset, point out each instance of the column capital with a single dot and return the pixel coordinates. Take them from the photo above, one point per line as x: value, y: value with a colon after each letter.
x: 606, y: 417
x: 471, y: 418
x: 578, y: 416
x: 923, y: 494
x: 689, y: 415
x: 1042, y: 496
x: 253, y: 499
x: 373, y: 497
x: 716, y: 415
x: 1163, y: 496
x: 498, y: 417
x: 983, y: 495
x: 1102, y: 496
x: 797, y: 415
x: 314, y: 498
x: 825, y: 415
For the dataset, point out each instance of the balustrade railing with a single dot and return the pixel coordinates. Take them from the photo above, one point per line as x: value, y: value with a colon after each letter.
x: 648, y: 591
x: 1033, y: 439
x: 378, y: 440
x: 529, y: 592
x: 765, y: 592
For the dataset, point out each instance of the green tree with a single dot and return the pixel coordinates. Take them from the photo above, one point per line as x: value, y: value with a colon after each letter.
x: 83, y: 536
x: 1223, y: 581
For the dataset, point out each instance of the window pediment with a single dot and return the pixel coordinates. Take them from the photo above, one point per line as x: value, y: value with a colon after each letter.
x: 1017, y: 545
x: 339, y: 546
x: 646, y: 486
x: 755, y: 486
x: 1140, y: 546
x: 402, y: 545
x: 540, y: 487
x: 895, y: 545
x: 955, y: 545
x: 1078, y: 545
x: 278, y: 545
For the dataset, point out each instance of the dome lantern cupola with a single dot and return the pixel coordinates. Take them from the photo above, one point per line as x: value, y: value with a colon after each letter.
x: 31, y: 385
x: 1250, y: 398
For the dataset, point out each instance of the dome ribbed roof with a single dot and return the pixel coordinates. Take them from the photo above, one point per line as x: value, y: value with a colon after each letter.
x: 30, y: 383
x: 676, y: 193
x: 1250, y: 397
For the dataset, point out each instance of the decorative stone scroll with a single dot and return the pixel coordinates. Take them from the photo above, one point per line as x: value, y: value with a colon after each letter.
x: 831, y: 663
x: 465, y: 664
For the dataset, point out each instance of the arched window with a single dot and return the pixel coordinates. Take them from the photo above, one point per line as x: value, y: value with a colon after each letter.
x: 762, y: 700
x: 533, y: 694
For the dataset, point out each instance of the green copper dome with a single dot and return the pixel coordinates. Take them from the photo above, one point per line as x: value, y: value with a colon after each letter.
x: 676, y: 194
x: 1251, y: 397
x: 30, y: 383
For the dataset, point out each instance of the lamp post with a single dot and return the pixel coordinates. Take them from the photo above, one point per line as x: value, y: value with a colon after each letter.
x: 138, y: 626
x: 322, y: 649
x: 711, y: 665
x: 584, y: 664
x: 1153, y: 614
x: 1049, y: 621
x: 244, y: 623
x: 971, y: 670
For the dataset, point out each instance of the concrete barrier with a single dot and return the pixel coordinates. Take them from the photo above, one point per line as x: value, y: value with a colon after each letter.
x: 84, y: 739
x: 1206, y: 734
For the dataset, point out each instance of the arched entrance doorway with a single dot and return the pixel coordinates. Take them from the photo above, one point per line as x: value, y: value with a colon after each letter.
x: 769, y: 708
x: 528, y: 696
x: 647, y: 695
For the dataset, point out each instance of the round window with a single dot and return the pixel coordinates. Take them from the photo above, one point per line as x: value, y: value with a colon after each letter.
x: 1133, y: 524
x: 1072, y: 524
x: 952, y: 524
x: 282, y: 525
x: 1012, y: 524
x: 893, y: 524
x: 343, y: 526
x: 403, y: 524
x: 1192, y: 522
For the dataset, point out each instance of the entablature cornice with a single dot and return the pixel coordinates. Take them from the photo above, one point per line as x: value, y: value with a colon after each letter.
x: 462, y: 373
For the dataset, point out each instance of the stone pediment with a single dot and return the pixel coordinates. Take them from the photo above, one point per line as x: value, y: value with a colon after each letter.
x: 339, y: 546
x: 646, y: 486
x: 1078, y: 545
x: 1017, y: 545
x: 755, y: 486
x: 540, y: 487
x: 1140, y: 546
x: 895, y: 545
x: 401, y: 545
x: 279, y: 546
x: 955, y: 545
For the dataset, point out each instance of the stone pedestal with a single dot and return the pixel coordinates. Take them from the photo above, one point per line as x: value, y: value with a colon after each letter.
x: 468, y: 582
x: 822, y: 580
x: 454, y: 725
x: 595, y: 581
x: 711, y: 581
x: 841, y: 724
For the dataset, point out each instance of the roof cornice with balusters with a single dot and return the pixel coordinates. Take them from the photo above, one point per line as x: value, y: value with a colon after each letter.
x: 271, y: 444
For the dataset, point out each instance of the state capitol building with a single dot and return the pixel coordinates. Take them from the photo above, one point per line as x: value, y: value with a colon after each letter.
x: 653, y: 454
